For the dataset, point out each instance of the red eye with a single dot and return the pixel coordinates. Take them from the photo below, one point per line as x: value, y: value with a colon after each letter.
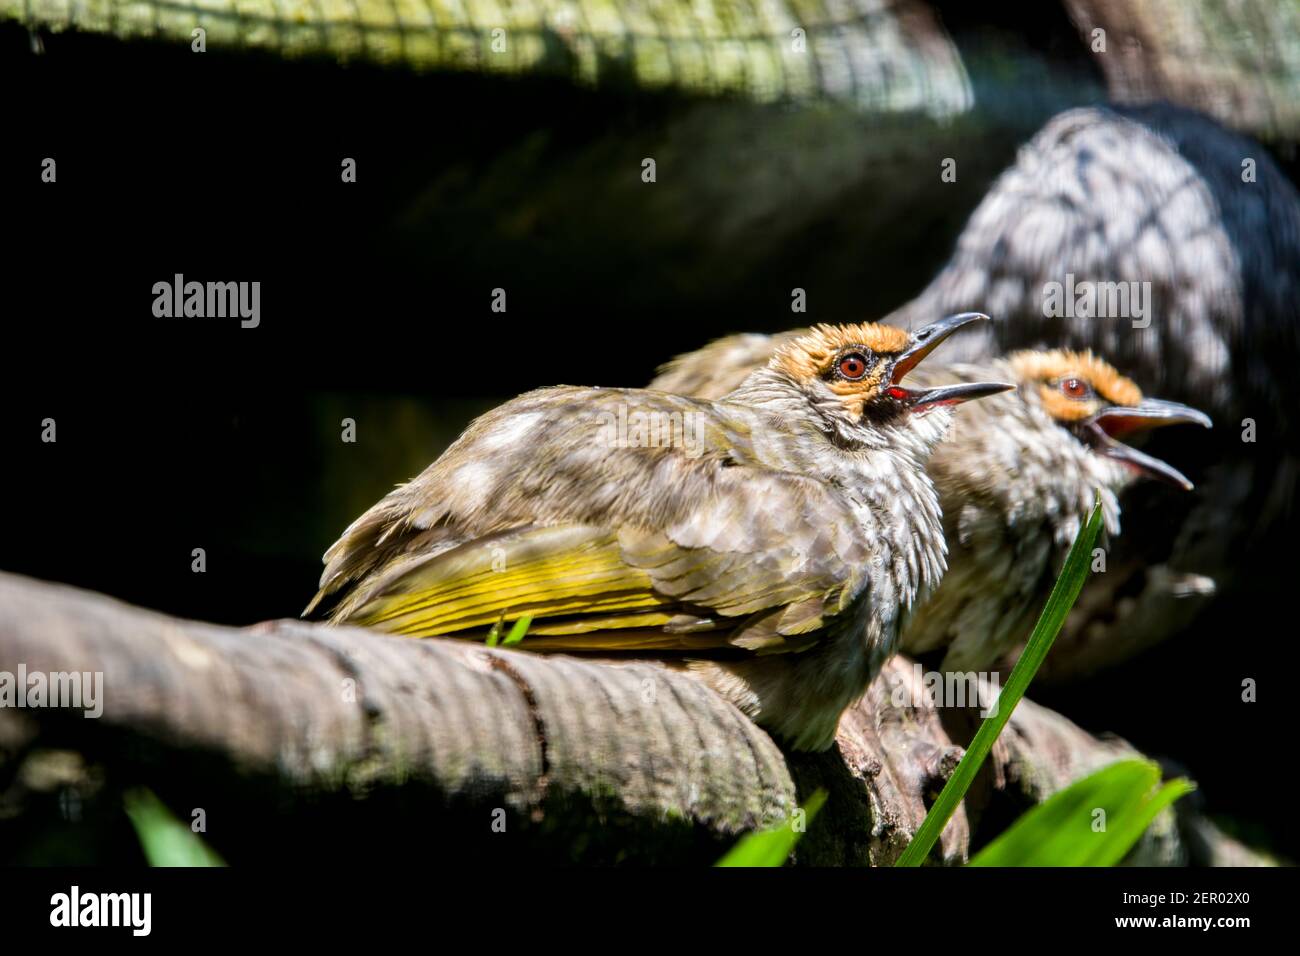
x: 853, y: 365
x: 1074, y: 388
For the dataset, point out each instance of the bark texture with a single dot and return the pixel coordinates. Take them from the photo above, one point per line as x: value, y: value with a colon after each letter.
x: 341, y: 744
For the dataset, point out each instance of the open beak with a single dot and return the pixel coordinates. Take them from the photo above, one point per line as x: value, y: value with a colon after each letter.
x: 1111, y: 424
x: 924, y: 341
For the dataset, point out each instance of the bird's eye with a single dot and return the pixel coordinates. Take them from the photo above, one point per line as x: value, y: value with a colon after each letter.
x: 853, y: 365
x: 1074, y: 388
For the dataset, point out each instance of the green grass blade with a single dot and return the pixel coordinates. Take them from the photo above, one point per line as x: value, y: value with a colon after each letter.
x: 1064, y: 592
x: 772, y: 847
x: 165, y: 840
x: 1063, y: 829
x: 518, y: 631
x: 1110, y: 852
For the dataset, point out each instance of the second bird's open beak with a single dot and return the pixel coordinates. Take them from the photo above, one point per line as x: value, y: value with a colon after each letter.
x: 1111, y: 424
x: 924, y: 341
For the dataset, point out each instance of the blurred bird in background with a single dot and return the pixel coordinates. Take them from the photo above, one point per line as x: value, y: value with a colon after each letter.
x: 774, y: 557
x: 1154, y: 194
x: 1167, y: 196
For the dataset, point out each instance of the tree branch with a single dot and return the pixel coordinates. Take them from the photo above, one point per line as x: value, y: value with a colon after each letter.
x: 332, y: 743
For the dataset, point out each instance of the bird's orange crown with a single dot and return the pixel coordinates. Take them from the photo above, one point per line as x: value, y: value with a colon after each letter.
x: 816, y: 354
x: 1074, y: 385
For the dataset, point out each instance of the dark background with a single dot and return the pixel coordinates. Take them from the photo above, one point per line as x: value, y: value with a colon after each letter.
x: 375, y: 296
x: 181, y: 433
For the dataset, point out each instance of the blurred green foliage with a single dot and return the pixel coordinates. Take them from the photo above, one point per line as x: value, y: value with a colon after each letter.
x: 773, y: 847
x: 166, y: 841
x: 1093, y: 822
x: 1068, y: 584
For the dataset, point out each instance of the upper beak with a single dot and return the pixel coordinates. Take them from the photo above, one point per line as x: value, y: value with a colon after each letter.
x: 924, y: 341
x: 1112, y: 423
x: 1118, y: 421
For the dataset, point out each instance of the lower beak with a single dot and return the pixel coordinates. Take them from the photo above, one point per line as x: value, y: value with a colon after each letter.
x: 1111, y: 424
x: 919, y: 399
x: 924, y: 341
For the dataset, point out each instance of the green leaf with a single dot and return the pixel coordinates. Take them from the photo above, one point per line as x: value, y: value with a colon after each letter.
x: 1064, y: 592
x: 518, y: 631
x: 772, y: 847
x: 1060, y: 831
x: 165, y: 840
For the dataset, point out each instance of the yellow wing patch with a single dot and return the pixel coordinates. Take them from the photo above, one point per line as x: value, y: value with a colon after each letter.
x: 583, y: 595
x: 546, y: 573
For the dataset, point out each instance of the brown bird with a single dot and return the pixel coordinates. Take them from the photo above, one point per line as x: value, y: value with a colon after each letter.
x: 1016, y: 478
x: 768, y: 542
x: 1155, y: 199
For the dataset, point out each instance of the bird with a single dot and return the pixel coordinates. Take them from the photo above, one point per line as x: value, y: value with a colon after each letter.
x: 1206, y: 225
x: 767, y: 543
x: 1016, y: 477
x: 1153, y: 195
x: 1202, y: 218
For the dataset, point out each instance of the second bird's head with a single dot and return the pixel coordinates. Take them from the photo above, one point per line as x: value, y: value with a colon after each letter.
x: 852, y: 375
x: 1100, y: 408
